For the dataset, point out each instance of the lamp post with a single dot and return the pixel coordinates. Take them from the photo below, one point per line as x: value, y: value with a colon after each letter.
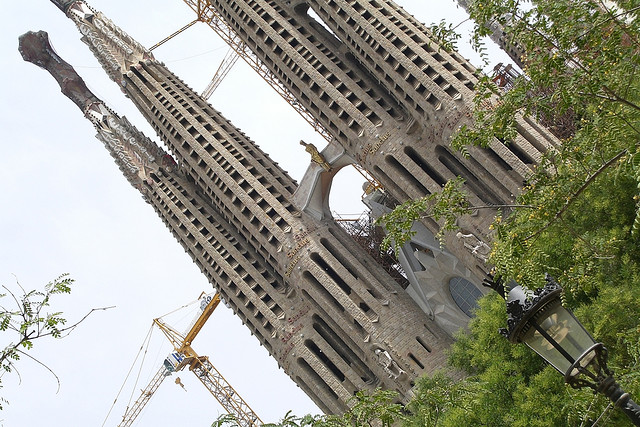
x: 538, y: 319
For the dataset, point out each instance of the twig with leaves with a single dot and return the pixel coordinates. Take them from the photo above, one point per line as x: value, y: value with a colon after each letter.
x: 28, y: 319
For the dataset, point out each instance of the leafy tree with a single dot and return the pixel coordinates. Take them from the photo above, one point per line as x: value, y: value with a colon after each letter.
x: 445, y: 206
x: 510, y: 385
x: 26, y: 319
x: 434, y: 397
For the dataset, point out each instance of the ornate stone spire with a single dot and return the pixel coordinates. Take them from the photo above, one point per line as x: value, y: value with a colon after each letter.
x: 63, y: 4
x: 115, y: 50
x: 136, y: 155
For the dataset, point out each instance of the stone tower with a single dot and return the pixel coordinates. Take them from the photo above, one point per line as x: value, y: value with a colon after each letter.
x: 334, y: 320
x: 391, y: 98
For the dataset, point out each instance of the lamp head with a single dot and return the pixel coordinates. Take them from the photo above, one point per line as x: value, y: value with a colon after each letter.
x: 538, y: 319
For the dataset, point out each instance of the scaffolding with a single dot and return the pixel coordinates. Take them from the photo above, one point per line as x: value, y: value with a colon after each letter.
x: 369, y: 236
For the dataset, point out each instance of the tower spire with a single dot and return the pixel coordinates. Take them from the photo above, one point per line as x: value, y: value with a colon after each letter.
x: 115, y: 50
x: 135, y: 154
x: 221, y: 253
x: 63, y: 4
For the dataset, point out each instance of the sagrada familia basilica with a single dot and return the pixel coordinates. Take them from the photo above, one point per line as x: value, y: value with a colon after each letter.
x: 390, y: 99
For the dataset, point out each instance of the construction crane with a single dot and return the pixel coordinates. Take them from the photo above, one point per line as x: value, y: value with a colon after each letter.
x: 207, y: 14
x: 184, y: 356
x: 166, y: 39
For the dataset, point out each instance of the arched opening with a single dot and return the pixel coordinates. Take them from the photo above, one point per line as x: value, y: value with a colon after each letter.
x: 345, y: 197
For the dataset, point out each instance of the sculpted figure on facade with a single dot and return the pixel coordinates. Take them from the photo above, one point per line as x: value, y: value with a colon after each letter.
x: 388, y: 364
x: 316, y: 156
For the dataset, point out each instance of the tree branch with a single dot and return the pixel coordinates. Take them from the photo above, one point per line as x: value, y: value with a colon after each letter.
x: 611, y: 18
x: 72, y: 327
x: 477, y: 208
x: 575, y: 61
x: 43, y: 365
x: 18, y: 304
x: 28, y: 322
x: 617, y: 98
x: 578, y: 192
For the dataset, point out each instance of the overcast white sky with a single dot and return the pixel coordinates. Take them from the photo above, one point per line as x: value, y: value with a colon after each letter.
x: 65, y: 207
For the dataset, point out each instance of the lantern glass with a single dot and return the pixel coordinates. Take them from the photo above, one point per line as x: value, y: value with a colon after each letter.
x: 560, y: 339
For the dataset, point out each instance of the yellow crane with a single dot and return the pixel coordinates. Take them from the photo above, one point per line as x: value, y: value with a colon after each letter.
x: 184, y: 356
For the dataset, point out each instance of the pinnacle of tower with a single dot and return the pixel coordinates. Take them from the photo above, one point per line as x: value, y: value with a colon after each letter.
x: 115, y: 50
x: 63, y: 4
x: 136, y: 155
x: 35, y: 48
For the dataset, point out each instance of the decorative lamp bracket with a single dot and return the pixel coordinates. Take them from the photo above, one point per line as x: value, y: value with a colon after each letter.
x: 523, y: 304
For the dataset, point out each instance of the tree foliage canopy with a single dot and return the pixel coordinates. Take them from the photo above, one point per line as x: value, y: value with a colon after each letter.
x: 581, y: 80
x: 26, y: 320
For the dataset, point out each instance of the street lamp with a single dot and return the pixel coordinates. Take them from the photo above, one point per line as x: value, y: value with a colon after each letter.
x: 538, y: 319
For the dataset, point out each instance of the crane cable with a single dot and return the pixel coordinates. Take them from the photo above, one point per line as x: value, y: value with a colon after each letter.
x: 180, y: 308
x: 147, y: 340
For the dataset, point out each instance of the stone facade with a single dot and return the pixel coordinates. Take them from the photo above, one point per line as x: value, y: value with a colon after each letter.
x: 373, y: 76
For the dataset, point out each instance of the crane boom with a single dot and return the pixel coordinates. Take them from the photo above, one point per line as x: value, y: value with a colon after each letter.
x: 133, y: 412
x: 230, y: 400
x: 182, y: 342
x: 207, y: 311
x: 225, y: 66
x: 166, y: 39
